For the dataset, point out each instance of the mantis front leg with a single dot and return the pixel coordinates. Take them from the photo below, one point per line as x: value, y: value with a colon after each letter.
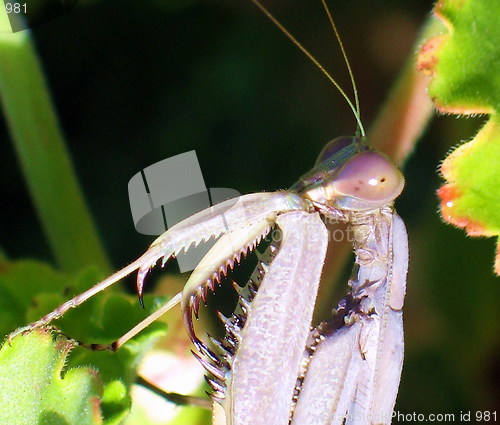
x: 260, y: 383
x: 354, y: 362
x: 223, y: 218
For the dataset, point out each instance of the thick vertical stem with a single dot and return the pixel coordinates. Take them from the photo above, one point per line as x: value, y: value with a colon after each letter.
x: 44, y: 159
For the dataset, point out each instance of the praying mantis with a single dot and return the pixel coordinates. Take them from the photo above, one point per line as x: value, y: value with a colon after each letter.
x: 271, y: 368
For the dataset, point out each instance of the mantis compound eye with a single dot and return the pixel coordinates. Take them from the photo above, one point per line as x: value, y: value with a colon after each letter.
x: 369, y: 179
x: 334, y: 146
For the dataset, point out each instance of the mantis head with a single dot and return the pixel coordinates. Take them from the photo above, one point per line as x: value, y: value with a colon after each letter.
x: 349, y: 176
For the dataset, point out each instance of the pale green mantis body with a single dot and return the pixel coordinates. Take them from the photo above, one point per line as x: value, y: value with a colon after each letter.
x: 271, y: 368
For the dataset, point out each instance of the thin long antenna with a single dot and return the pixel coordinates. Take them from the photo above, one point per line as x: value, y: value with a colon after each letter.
x: 344, y: 54
x: 278, y: 24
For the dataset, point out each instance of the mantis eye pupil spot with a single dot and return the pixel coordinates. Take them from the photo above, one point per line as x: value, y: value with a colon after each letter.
x: 369, y: 176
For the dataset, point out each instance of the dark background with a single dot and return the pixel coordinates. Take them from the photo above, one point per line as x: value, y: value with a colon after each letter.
x: 135, y: 82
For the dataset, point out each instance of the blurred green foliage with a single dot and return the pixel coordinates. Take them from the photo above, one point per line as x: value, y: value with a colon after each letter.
x: 31, y: 366
x: 137, y: 82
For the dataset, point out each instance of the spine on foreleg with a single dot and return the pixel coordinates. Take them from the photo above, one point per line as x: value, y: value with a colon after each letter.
x: 267, y: 361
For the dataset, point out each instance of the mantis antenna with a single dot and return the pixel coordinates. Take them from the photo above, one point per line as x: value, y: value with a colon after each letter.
x: 346, y: 60
x: 354, y: 107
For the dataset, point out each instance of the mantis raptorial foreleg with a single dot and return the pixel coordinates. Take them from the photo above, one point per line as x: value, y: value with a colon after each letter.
x: 222, y: 218
x: 355, y: 363
x: 381, y: 372
x: 328, y: 387
x: 267, y: 360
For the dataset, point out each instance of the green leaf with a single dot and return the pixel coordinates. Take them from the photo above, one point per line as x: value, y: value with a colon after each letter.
x: 465, y: 65
x: 21, y: 283
x: 35, y: 390
x: 30, y: 289
x: 115, y: 403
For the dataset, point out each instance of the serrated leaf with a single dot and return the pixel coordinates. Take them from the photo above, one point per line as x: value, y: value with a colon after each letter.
x: 30, y: 289
x: 34, y: 389
x: 465, y: 65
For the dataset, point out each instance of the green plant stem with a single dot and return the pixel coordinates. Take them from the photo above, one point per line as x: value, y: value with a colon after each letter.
x: 45, y: 162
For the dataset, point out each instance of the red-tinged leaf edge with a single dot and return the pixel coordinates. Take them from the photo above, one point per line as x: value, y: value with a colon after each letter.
x: 463, y: 64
